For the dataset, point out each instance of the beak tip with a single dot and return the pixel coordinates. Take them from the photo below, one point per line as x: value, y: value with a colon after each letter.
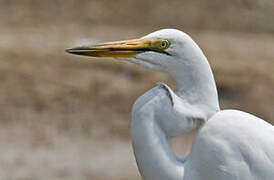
x: 68, y: 50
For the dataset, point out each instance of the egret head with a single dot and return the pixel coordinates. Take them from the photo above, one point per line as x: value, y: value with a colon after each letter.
x: 170, y: 51
x: 162, y: 50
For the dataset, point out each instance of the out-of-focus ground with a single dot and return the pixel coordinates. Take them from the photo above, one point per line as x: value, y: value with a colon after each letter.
x: 67, y: 117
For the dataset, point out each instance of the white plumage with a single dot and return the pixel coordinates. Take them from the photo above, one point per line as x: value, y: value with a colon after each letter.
x: 229, y: 144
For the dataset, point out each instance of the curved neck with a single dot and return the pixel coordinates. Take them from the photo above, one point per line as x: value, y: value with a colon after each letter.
x: 154, y: 157
x: 195, y: 81
x: 197, y: 88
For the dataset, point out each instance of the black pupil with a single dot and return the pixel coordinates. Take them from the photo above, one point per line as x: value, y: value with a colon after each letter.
x: 163, y: 44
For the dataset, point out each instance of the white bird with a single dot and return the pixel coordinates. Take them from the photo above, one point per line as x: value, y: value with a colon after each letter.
x: 229, y: 144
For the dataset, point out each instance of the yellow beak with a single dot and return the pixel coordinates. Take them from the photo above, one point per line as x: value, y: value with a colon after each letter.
x: 128, y: 48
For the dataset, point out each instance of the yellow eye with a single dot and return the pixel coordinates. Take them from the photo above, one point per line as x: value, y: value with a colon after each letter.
x: 164, y: 44
x: 159, y: 44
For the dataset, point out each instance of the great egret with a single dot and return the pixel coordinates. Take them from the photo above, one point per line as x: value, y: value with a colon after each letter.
x: 229, y: 144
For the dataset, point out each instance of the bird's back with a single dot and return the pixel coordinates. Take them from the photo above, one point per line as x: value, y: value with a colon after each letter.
x: 234, y: 145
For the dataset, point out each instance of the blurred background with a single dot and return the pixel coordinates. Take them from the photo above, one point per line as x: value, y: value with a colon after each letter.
x: 67, y: 117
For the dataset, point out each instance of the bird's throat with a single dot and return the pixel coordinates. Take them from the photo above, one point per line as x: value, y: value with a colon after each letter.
x: 196, y: 85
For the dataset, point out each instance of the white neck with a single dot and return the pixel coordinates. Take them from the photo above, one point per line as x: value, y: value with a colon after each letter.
x: 154, y: 157
x: 195, y: 80
x: 197, y: 87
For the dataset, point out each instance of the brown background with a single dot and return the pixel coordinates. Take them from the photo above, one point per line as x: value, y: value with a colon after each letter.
x: 67, y: 117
